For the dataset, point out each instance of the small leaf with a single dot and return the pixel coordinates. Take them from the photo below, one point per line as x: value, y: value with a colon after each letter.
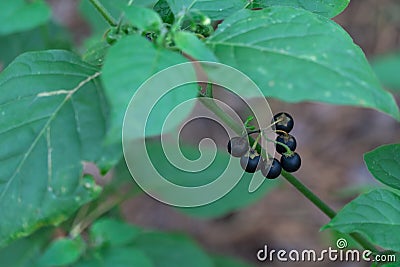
x: 387, y: 68
x: 144, y: 19
x: 327, y: 8
x: 384, y: 164
x: 295, y: 55
x: 21, y: 15
x: 114, y: 232
x: 215, y: 10
x: 191, y: 45
x: 62, y: 251
x: 172, y: 250
x: 375, y: 214
x: 53, y: 117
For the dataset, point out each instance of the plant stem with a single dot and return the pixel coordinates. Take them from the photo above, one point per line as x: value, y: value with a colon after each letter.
x: 321, y: 205
x: 85, y: 219
x: 104, y: 12
x: 228, y: 120
x: 309, y: 194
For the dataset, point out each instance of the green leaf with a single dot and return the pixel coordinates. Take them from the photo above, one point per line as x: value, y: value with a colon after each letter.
x: 21, y: 15
x: 384, y: 164
x: 327, y: 8
x: 220, y: 261
x: 49, y: 36
x: 375, y: 214
x: 215, y: 10
x: 62, y: 251
x: 114, y: 232
x: 25, y: 252
x: 144, y: 19
x: 387, y: 68
x: 128, y: 64
x: 116, y: 257
x: 295, y: 55
x: 171, y: 250
x: 191, y: 45
x: 53, y: 117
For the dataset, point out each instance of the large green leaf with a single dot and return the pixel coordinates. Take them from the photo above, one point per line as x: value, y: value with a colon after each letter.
x: 53, y: 117
x: 375, y: 214
x: 216, y: 10
x: 384, y: 164
x: 171, y: 250
x: 295, y: 55
x: 21, y: 15
x: 327, y: 8
x: 128, y: 64
x: 62, y: 251
x: 387, y: 68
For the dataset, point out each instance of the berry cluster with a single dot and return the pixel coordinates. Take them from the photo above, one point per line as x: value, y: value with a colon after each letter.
x: 285, y: 144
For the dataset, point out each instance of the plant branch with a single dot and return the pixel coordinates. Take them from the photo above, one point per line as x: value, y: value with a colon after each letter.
x: 104, y: 12
x: 320, y: 204
x: 328, y: 211
x: 85, y: 219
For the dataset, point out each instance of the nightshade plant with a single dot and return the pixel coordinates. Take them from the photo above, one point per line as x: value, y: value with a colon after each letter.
x: 60, y: 109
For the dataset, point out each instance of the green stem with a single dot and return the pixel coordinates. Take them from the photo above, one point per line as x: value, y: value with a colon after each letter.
x: 288, y: 150
x: 256, y: 142
x: 104, y: 12
x: 309, y: 194
x: 85, y: 219
x: 228, y: 120
x: 321, y: 205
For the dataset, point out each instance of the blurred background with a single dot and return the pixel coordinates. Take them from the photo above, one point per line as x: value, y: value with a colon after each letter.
x: 331, y: 140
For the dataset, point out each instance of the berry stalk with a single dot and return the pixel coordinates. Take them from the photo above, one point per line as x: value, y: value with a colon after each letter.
x: 104, y: 12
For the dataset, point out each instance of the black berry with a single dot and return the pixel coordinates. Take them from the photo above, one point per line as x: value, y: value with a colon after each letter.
x: 285, y: 123
x: 288, y: 140
x: 291, y: 163
x: 250, y: 163
x: 238, y: 146
x: 274, y: 171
